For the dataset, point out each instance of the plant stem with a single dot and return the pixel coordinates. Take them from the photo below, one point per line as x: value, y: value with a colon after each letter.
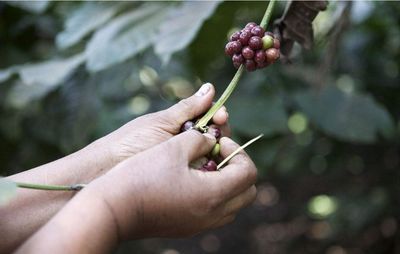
x: 74, y: 187
x: 202, y: 123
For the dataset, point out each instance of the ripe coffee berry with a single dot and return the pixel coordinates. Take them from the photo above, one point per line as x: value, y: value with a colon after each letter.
x: 250, y: 65
x: 244, y: 37
x: 253, y: 47
x: 272, y: 55
x: 233, y: 47
x: 250, y: 25
x: 187, y: 126
x: 255, y: 42
x: 247, y: 53
x: 235, y: 36
x: 209, y: 166
x: 260, y: 56
x: 258, y: 31
x: 215, y: 131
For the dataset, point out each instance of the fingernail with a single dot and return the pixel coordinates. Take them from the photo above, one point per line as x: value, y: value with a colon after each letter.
x: 203, y: 89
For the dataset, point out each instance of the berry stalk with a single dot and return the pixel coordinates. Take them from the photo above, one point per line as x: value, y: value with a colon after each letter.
x: 74, y: 187
x: 202, y: 123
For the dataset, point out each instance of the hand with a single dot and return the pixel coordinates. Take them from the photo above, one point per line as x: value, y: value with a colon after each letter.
x: 156, y: 193
x: 149, y: 130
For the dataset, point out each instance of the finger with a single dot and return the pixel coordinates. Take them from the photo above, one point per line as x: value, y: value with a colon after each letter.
x: 192, y: 106
x: 221, y: 116
x: 225, y: 130
x: 236, y: 177
x: 225, y: 220
x: 192, y: 144
x: 241, y: 201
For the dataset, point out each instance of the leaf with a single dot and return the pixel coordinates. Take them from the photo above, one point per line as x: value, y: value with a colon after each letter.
x: 296, y: 24
x: 349, y: 117
x: 125, y: 36
x: 6, y: 74
x: 31, y: 6
x: 255, y: 115
x: 84, y: 20
x: 36, y: 80
x: 181, y: 26
x: 8, y: 189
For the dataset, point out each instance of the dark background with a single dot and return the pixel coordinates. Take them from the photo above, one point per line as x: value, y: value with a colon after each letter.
x: 328, y: 164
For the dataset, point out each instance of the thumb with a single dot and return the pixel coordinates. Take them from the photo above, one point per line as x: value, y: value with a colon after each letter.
x: 192, y: 144
x: 192, y: 106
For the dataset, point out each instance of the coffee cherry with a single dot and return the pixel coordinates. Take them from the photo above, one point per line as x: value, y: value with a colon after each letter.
x: 247, y: 52
x: 235, y: 36
x: 250, y: 65
x: 259, y: 56
x: 262, y: 64
x: 272, y: 55
x: 237, y: 60
x: 258, y: 31
x: 277, y: 44
x: 209, y: 166
x: 267, y: 41
x: 187, y: 126
x: 250, y: 47
x: 255, y: 42
x: 270, y: 34
x: 244, y: 37
x: 233, y: 47
x: 215, y: 151
x: 250, y: 25
x: 215, y: 131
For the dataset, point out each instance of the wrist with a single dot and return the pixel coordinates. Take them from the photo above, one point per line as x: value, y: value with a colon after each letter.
x: 96, y: 158
x: 120, y: 199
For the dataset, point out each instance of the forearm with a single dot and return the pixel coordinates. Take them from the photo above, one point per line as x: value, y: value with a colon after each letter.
x: 33, y: 208
x: 85, y: 225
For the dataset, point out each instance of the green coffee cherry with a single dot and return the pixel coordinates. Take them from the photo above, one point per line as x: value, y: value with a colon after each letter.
x: 215, y: 151
x: 268, y: 41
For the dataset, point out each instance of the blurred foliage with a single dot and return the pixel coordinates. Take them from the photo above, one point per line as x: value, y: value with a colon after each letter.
x: 329, y: 163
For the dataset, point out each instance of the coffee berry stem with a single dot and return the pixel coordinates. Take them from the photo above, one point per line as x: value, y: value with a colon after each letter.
x: 201, y: 124
x: 74, y: 187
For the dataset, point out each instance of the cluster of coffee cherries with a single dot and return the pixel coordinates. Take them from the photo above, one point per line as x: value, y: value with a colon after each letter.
x: 253, y: 47
x: 207, y: 163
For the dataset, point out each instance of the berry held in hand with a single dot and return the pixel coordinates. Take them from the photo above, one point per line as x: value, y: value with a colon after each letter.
x: 253, y: 47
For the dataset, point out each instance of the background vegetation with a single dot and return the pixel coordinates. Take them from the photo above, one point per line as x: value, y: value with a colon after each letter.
x: 329, y: 163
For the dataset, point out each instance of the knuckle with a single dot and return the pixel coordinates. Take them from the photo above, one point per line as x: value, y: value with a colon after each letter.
x: 186, y: 107
x: 251, y: 173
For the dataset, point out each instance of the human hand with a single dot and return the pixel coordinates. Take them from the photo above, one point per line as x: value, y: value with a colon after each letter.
x: 149, y: 130
x: 156, y: 193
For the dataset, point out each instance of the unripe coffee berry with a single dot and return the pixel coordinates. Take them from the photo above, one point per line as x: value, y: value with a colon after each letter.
x: 267, y: 41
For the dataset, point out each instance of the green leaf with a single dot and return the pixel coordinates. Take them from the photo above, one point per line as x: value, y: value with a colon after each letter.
x: 256, y: 115
x: 8, y: 189
x: 36, y: 80
x: 84, y: 20
x: 31, y: 6
x: 125, y: 36
x: 6, y: 74
x: 181, y: 26
x: 349, y: 117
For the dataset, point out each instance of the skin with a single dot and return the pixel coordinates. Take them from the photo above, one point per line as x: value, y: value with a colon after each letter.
x: 32, y: 209
x: 136, y: 199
